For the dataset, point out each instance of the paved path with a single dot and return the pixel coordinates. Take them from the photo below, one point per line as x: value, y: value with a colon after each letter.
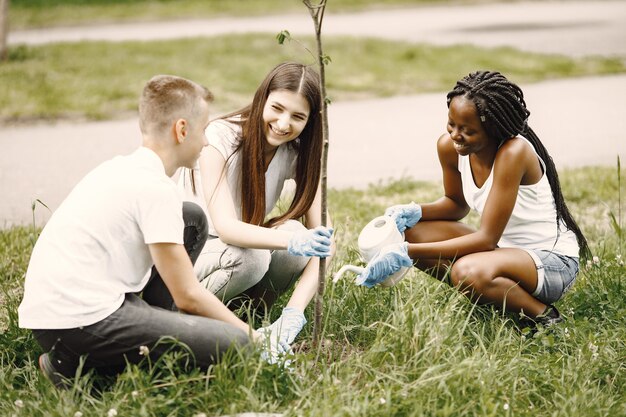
x: 581, y: 121
x: 574, y: 28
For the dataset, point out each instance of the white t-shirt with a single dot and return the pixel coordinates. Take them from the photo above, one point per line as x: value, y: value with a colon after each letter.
x: 225, y: 136
x: 93, y: 250
x: 533, y: 221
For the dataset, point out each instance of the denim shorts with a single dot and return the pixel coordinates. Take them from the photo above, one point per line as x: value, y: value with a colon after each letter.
x: 556, y: 274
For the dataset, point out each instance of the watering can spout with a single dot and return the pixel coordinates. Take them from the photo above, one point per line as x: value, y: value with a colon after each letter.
x: 344, y: 269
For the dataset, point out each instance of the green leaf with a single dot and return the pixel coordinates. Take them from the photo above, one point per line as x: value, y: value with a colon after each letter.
x: 34, y: 204
x: 282, y: 36
x: 326, y: 59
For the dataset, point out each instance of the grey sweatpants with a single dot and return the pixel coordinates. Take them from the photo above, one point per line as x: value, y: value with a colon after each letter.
x: 228, y: 270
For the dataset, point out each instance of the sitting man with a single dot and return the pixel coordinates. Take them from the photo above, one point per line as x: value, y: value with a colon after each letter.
x: 96, y: 252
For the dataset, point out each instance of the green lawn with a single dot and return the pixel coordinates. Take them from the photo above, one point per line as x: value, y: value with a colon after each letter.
x: 46, y: 13
x: 100, y: 80
x: 417, y: 349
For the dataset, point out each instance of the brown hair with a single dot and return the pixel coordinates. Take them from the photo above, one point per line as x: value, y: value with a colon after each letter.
x: 297, y: 78
x: 167, y: 98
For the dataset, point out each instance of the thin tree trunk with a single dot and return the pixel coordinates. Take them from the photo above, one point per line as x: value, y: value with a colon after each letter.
x: 317, y: 13
x: 4, y: 29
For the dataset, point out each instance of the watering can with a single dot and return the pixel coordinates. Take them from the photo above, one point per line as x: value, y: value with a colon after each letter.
x: 377, y: 234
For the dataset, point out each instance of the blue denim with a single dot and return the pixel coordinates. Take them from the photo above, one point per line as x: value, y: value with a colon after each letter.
x: 149, y: 321
x: 556, y: 274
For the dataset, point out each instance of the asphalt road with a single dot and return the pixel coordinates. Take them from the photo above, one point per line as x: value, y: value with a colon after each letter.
x: 573, y: 28
x: 581, y: 121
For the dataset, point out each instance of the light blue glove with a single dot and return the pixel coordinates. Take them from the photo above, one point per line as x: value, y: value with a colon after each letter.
x: 287, y: 326
x: 405, y: 215
x: 272, y: 350
x: 311, y: 242
x: 280, y: 334
x: 385, y: 263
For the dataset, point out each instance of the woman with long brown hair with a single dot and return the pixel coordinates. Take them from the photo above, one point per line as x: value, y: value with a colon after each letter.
x: 239, y: 180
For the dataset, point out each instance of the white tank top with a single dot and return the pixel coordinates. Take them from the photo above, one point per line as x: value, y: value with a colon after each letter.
x: 224, y: 136
x: 533, y: 221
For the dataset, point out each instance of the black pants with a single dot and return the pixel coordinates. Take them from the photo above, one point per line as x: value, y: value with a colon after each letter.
x: 108, y: 344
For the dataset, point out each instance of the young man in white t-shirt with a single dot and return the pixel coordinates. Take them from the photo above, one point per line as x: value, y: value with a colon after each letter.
x: 94, y: 256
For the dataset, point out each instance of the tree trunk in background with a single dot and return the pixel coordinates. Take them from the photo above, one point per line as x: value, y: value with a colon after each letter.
x: 4, y: 29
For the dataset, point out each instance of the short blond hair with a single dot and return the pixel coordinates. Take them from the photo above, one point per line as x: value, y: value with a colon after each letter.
x: 167, y: 98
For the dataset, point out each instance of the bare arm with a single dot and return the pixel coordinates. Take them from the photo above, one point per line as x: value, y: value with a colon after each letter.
x: 221, y: 208
x: 510, y: 166
x: 174, y: 266
x: 452, y: 205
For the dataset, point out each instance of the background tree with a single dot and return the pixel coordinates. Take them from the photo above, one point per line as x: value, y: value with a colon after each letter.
x: 4, y: 29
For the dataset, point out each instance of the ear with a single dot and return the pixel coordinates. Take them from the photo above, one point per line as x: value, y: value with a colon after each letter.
x: 180, y: 130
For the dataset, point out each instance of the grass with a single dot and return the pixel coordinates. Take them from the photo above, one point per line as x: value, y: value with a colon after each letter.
x: 47, y: 13
x: 417, y: 349
x: 88, y: 79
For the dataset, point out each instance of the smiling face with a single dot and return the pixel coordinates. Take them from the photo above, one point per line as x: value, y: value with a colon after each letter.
x: 285, y: 115
x: 465, y: 128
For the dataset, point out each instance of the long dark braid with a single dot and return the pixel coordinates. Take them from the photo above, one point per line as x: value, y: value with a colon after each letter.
x: 503, y: 114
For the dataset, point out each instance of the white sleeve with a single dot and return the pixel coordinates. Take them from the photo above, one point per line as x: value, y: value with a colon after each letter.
x: 223, y: 136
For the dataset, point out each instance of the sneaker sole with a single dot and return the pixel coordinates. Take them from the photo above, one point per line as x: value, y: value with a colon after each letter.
x: 47, y: 369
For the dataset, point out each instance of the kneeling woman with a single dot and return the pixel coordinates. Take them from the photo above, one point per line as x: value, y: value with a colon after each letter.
x: 524, y: 255
x: 239, y: 180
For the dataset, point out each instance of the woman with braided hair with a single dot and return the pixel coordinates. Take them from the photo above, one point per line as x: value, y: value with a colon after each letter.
x: 524, y: 255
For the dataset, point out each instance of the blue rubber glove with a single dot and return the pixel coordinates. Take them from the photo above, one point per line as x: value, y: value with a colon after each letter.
x: 388, y: 261
x: 272, y: 350
x: 280, y: 334
x: 405, y: 215
x: 287, y: 326
x: 311, y: 242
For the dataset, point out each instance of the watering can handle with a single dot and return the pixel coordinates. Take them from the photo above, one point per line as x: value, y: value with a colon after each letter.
x: 351, y: 268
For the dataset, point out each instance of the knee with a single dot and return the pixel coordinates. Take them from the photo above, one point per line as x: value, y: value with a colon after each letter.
x: 250, y: 263
x: 421, y: 232
x: 291, y: 226
x: 233, y: 337
x: 414, y: 234
x: 467, y: 274
x: 194, y: 216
